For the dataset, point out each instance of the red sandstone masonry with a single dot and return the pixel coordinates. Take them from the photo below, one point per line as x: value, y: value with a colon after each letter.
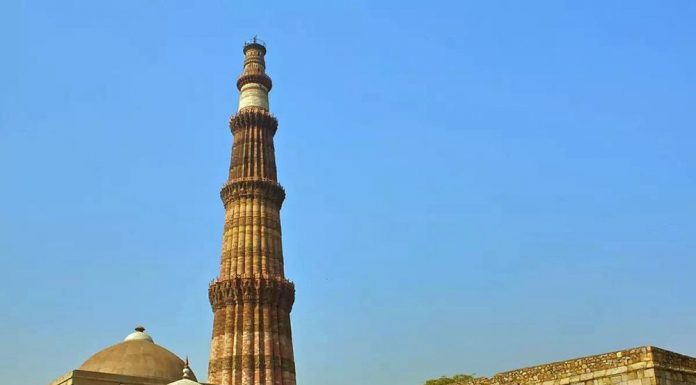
x: 251, y: 299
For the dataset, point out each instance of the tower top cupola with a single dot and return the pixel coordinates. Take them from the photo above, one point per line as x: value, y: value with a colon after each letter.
x: 253, y: 83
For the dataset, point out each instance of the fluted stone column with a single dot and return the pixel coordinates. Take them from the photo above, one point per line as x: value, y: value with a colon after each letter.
x: 251, y: 299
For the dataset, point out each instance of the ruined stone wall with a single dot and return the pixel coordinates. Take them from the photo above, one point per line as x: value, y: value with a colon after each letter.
x: 639, y: 366
x: 674, y: 369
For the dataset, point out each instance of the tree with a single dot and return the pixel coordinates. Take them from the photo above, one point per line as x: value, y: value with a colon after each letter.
x: 454, y: 380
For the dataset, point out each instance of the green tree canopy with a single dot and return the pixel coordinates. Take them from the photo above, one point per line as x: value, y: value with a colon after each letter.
x: 454, y: 380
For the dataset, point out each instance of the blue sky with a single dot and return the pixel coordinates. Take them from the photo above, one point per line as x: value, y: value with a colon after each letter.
x: 472, y: 186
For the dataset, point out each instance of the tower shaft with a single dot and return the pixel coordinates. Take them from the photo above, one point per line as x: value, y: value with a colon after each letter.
x: 251, y: 299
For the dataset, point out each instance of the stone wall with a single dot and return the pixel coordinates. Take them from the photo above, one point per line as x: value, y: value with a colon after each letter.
x: 673, y: 368
x: 645, y: 365
x: 83, y: 377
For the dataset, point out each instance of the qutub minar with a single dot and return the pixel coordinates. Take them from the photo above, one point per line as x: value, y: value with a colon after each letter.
x: 252, y: 341
x: 251, y: 299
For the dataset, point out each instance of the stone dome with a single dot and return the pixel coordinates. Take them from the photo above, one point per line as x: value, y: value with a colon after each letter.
x: 139, y: 356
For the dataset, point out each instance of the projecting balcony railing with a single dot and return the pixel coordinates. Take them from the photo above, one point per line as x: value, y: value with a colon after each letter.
x: 255, y: 40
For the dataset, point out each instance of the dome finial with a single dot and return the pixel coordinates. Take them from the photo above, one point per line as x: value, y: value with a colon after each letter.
x: 187, y: 370
x: 139, y: 334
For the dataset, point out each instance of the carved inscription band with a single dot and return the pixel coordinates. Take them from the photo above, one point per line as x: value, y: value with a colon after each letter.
x: 254, y: 188
x: 240, y: 290
x: 262, y: 79
x: 253, y: 117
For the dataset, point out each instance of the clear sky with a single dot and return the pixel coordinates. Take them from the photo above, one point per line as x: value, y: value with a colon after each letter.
x: 473, y: 186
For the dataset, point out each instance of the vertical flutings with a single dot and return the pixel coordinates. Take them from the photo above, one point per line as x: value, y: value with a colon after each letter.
x: 252, y: 342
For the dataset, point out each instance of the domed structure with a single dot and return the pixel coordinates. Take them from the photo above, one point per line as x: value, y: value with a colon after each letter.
x: 138, y: 356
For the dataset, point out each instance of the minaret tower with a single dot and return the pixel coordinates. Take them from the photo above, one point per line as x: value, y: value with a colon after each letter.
x: 251, y: 299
